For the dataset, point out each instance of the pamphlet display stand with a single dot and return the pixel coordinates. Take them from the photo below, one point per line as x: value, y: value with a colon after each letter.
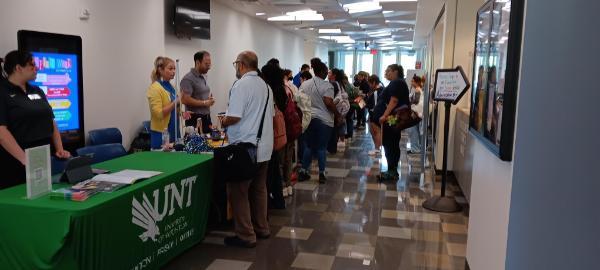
x: 450, y: 86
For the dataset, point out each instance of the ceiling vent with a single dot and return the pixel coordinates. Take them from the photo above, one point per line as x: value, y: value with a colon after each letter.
x: 288, y: 2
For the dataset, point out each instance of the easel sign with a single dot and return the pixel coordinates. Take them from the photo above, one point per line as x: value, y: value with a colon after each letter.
x: 450, y: 84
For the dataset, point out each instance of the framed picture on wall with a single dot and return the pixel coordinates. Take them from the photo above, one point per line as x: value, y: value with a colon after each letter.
x: 495, y: 74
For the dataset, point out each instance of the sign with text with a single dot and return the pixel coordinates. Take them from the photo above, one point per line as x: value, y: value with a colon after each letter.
x: 450, y: 84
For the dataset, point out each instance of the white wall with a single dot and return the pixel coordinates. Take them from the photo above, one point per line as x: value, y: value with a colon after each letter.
x: 122, y: 38
x: 231, y: 33
x: 120, y: 41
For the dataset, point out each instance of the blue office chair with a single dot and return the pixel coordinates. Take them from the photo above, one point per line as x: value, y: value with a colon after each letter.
x: 105, y: 135
x: 102, y: 152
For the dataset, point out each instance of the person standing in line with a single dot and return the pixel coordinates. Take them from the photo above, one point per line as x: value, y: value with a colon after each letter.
x: 195, y: 92
x: 26, y: 118
x: 297, y: 80
x: 353, y: 93
x: 306, y: 107
x: 392, y: 97
x: 163, y: 100
x: 363, y: 85
x: 247, y: 99
x: 374, y: 126
x: 322, y: 122
x: 416, y: 103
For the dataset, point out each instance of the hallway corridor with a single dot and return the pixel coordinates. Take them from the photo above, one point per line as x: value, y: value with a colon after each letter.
x: 351, y: 222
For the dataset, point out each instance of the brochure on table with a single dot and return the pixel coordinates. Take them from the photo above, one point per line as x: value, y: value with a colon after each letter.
x: 37, y: 171
x: 125, y: 176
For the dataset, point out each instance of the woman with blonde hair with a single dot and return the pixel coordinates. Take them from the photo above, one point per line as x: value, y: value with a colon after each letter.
x: 163, y: 100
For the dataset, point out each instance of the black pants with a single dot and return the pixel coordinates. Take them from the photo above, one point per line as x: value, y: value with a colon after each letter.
x: 350, y: 122
x: 361, y: 117
x: 391, y: 144
x: 13, y: 172
x: 206, y: 122
x: 332, y: 144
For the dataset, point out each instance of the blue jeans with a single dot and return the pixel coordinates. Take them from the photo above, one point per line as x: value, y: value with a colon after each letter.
x: 315, y: 140
x: 415, y: 138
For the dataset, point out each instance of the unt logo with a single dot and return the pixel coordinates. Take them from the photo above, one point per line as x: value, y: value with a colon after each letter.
x: 147, y: 215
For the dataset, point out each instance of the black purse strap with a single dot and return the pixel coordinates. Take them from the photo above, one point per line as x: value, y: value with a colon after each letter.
x: 262, y: 120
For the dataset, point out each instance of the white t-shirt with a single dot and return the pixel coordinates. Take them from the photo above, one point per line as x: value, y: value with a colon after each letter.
x: 316, y: 88
x: 247, y: 101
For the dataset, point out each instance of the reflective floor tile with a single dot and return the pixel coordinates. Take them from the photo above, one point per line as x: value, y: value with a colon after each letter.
x: 355, y: 252
x: 454, y: 228
x: 278, y: 220
x: 427, y: 235
x: 220, y: 264
x: 436, y: 261
x: 361, y: 168
x: 454, y: 249
x: 425, y: 217
x: 318, y: 207
x: 336, y: 217
x: 377, y: 186
x: 359, y: 239
x: 313, y: 261
x: 294, y: 233
x: 333, y: 159
x: 394, y: 232
x: 214, y: 240
x: 310, y: 186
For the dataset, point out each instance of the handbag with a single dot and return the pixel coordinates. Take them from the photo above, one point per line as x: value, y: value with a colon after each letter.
x: 237, y: 162
x: 405, y: 118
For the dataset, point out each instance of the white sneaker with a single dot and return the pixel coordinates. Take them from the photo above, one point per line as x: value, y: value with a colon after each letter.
x: 290, y: 190
x: 341, y: 144
x: 374, y: 152
x: 285, y: 192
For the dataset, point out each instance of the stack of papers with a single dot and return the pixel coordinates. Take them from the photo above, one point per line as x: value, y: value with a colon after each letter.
x: 126, y: 177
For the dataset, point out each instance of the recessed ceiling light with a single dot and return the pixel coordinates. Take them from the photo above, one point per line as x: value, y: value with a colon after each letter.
x: 300, y: 15
x: 330, y: 31
x: 260, y: 13
x: 387, y: 11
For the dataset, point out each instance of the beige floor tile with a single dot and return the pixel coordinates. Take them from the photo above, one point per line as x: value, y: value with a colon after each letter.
x: 355, y: 252
x: 396, y: 194
x: 313, y: 261
x: 360, y: 168
x: 454, y: 228
x: 376, y: 187
x: 336, y: 217
x: 412, y: 216
x: 394, y: 232
x: 359, y: 239
x: 294, y: 233
x: 317, y: 207
x: 454, y: 249
x: 427, y: 235
x: 220, y: 264
x: 433, y: 261
x: 306, y: 186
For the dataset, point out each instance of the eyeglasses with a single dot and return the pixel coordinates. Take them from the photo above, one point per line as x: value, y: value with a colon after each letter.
x: 235, y: 63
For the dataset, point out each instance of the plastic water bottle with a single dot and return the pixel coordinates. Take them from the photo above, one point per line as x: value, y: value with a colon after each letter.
x: 165, y: 138
x: 199, y: 126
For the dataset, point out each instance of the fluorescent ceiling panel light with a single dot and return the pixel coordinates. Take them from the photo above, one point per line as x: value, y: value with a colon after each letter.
x: 330, y: 31
x: 300, y: 15
x: 387, y: 11
x: 260, y: 13
x: 381, y: 34
x: 387, y: 48
x: 362, y: 6
x: 384, y: 1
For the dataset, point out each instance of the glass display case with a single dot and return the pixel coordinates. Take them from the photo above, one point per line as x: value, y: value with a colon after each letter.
x: 495, y: 74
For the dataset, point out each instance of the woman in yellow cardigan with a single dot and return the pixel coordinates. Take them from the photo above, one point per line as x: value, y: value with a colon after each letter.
x: 163, y: 100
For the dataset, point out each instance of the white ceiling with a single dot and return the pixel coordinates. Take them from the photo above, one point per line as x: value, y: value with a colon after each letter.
x: 392, y: 26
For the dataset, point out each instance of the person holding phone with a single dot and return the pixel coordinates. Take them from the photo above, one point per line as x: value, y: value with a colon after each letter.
x: 26, y: 118
x: 196, y: 95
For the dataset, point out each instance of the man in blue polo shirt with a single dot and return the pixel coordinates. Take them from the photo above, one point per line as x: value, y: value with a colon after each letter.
x: 297, y: 81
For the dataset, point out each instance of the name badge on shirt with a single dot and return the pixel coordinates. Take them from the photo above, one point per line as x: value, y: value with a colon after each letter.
x: 34, y: 96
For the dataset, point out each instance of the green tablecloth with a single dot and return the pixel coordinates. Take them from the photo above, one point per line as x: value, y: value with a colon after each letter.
x: 141, y: 226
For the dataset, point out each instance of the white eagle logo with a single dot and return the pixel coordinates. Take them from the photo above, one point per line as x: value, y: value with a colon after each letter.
x: 146, y: 217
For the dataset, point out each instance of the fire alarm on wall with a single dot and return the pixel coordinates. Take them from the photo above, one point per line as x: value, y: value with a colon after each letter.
x: 84, y: 14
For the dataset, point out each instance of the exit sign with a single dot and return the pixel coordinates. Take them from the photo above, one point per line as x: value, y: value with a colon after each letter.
x: 373, y: 51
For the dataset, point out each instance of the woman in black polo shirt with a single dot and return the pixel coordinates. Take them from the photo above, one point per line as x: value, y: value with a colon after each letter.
x: 26, y: 118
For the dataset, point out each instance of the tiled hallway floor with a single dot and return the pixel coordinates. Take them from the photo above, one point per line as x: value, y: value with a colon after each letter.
x: 351, y: 222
